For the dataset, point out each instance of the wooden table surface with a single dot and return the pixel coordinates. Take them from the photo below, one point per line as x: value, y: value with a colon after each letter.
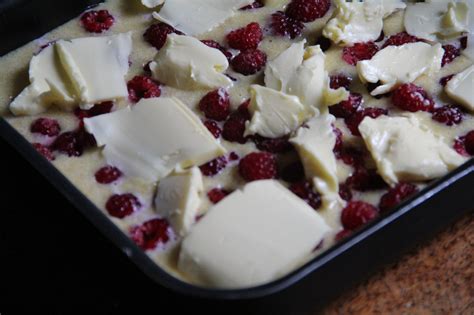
x: 435, y: 278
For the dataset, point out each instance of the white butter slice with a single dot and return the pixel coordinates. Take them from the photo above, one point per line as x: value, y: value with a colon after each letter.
x: 97, y: 66
x: 152, y: 3
x: 395, y: 65
x: 186, y: 63
x: 461, y: 88
x: 404, y: 150
x: 153, y: 138
x: 301, y: 72
x: 315, y: 143
x: 437, y: 20
x: 356, y: 22
x: 178, y: 199
x: 252, y: 237
x: 275, y: 114
x: 198, y: 16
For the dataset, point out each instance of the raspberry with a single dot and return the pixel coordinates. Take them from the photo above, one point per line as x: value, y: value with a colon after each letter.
x: 214, y: 128
x: 214, y: 167
x: 44, y: 151
x: 96, y: 110
x: 121, y: 206
x: 446, y: 79
x: 347, y: 108
x: 465, y: 145
x: 307, y: 10
x: 249, y: 62
x: 400, y: 39
x: 343, y: 234
x: 340, y: 80
x: 358, y: 52
x: 338, y: 147
x: 157, y: 34
x: 293, y: 172
x: 151, y: 233
x: 355, y: 119
x: 357, y: 213
x: 365, y: 180
x: 305, y: 191
x: 345, y: 192
x: 142, y: 87
x: 258, y: 166
x: 217, y: 194
x: 107, y: 175
x: 213, y: 44
x: 450, y: 53
x: 234, y: 127
x: 233, y: 156
x: 396, y: 195
x: 448, y: 114
x: 46, y: 127
x: 247, y: 37
x: 350, y: 156
x: 257, y: 4
x: 277, y: 145
x: 97, y: 21
x: 283, y: 25
x: 216, y: 105
x: 460, y: 147
x: 69, y: 143
x: 412, y: 98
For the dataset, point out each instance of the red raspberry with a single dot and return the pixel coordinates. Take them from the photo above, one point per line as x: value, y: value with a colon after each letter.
x: 157, y: 34
x: 465, y: 145
x: 107, y: 175
x: 396, y: 195
x: 365, y: 180
x: 338, y: 147
x: 234, y: 127
x: 217, y: 194
x: 121, y: 206
x: 256, y: 5
x: 69, y: 143
x: 97, y: 21
x: 345, y: 192
x: 412, y: 98
x: 450, y: 53
x: 233, y: 156
x: 305, y: 191
x: 44, y: 151
x: 142, y: 87
x: 277, y: 145
x: 293, y: 172
x: 343, y: 234
x: 46, y: 127
x: 347, y: 108
x: 213, y: 44
x: 258, y: 166
x: 357, y: 213
x: 249, y: 62
x: 216, y: 105
x: 283, y: 25
x: 307, y: 10
x: 151, y: 234
x: 247, y: 37
x: 448, y: 114
x: 355, y: 119
x: 340, y: 80
x: 214, y: 167
x: 400, y: 39
x: 446, y: 79
x: 359, y: 52
x: 96, y: 110
x: 214, y: 128
x: 351, y: 156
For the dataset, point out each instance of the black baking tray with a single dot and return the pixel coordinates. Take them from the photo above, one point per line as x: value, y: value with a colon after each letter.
x: 439, y: 204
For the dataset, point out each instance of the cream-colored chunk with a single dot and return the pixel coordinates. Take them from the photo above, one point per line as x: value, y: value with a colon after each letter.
x: 178, y: 199
x: 461, y: 88
x: 198, y: 16
x: 152, y: 3
x: 395, y: 65
x: 153, y: 138
x: 240, y: 242
x: 275, y: 114
x: 405, y: 150
x: 186, y: 63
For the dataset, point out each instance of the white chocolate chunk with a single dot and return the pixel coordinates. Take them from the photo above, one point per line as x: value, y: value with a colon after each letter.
x: 152, y: 3
x: 405, y: 150
x: 437, y: 20
x: 178, y: 199
x: 315, y: 143
x: 252, y: 237
x: 461, y: 88
x: 186, y: 63
x: 275, y: 114
x: 198, y: 16
x: 395, y: 65
x: 153, y: 138
x: 97, y: 66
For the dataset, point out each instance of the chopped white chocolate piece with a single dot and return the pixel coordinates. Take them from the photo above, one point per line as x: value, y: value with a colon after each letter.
x: 461, y: 88
x: 239, y: 243
x: 152, y: 3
